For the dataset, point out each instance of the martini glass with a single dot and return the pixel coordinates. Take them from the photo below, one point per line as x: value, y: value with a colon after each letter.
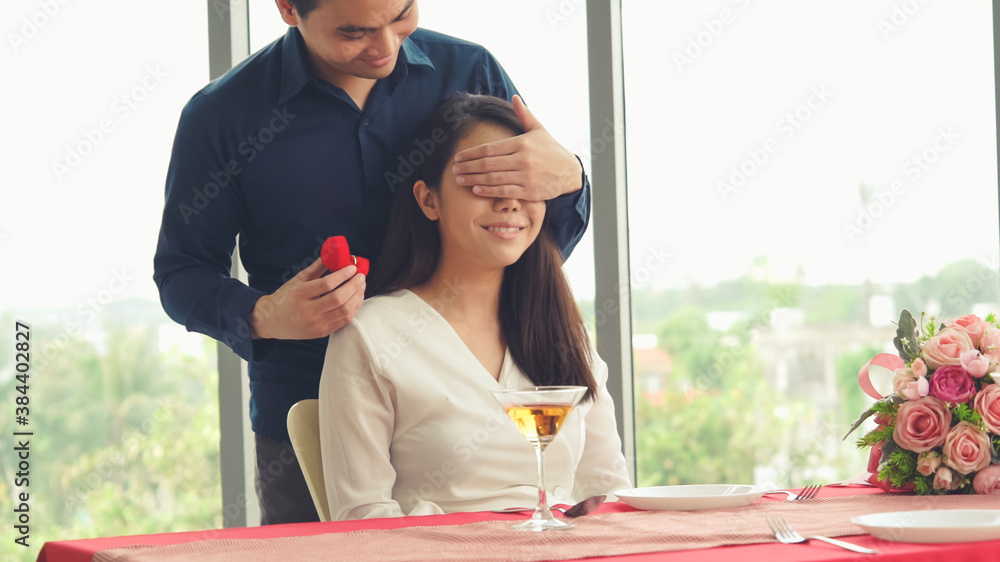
x: 539, y: 413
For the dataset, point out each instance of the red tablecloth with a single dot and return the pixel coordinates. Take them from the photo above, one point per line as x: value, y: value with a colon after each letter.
x: 83, y: 550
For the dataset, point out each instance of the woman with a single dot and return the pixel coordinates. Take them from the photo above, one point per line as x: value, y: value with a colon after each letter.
x: 468, y: 295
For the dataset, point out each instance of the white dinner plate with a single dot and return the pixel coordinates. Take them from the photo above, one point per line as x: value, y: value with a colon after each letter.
x: 935, y: 525
x: 691, y: 497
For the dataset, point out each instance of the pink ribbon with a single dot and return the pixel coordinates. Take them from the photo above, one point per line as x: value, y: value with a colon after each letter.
x: 883, y: 360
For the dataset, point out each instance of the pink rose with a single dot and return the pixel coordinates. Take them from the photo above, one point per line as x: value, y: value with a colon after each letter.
x: 988, y: 405
x: 921, y: 424
x: 928, y: 462
x: 966, y: 449
x: 988, y: 480
x: 910, y: 386
x: 945, y: 348
x: 952, y: 384
x: 975, y: 363
x: 972, y: 325
x: 919, y: 367
x: 944, y: 479
x: 990, y: 344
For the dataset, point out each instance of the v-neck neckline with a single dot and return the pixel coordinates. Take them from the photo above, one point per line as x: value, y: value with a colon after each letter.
x: 504, y: 366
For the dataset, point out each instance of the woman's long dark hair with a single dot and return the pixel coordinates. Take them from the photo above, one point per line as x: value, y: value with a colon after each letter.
x: 539, y: 318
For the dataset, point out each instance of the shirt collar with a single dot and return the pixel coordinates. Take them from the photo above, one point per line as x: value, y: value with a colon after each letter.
x: 414, y: 55
x: 296, y: 71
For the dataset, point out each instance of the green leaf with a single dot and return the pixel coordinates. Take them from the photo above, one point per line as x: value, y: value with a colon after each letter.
x: 900, y: 468
x: 963, y: 413
x: 888, y: 405
x: 875, y: 437
x: 923, y: 485
x: 857, y: 423
x: 906, y: 340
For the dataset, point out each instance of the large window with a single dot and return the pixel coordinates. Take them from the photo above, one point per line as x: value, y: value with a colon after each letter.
x: 805, y: 170
x: 121, y: 401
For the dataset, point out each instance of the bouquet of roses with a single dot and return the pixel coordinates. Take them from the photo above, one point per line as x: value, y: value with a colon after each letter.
x: 939, y: 432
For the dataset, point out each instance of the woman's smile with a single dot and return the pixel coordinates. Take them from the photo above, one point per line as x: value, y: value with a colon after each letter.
x: 504, y: 231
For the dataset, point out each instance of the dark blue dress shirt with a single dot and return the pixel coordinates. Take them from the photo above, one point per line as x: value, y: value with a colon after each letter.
x: 284, y: 159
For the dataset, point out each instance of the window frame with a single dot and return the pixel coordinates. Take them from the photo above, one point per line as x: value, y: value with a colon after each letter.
x: 228, y: 44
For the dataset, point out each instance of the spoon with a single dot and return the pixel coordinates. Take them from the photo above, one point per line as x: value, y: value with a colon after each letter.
x: 582, y: 508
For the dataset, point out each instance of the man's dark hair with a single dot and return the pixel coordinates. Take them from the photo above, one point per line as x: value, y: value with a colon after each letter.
x: 304, y: 7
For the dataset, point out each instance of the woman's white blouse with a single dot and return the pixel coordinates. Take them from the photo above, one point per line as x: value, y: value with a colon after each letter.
x: 408, y: 425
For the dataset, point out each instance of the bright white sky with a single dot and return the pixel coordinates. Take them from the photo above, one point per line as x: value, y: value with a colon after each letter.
x: 64, y: 240
x: 890, y: 95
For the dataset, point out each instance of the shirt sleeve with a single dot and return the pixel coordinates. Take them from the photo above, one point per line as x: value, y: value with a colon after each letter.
x: 356, y: 422
x: 569, y: 213
x: 202, y: 215
x: 602, y: 468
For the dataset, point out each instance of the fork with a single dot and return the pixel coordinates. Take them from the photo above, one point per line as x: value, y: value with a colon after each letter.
x: 807, y: 493
x: 787, y: 535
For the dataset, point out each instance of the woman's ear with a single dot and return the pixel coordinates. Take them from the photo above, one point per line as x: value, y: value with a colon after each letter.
x: 427, y: 199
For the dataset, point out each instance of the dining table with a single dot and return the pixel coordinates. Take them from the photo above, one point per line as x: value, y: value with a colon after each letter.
x: 614, y: 531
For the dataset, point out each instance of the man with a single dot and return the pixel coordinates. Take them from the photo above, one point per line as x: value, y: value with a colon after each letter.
x: 307, y: 139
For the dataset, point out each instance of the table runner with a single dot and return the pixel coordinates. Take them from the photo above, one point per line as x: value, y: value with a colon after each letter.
x: 595, y: 535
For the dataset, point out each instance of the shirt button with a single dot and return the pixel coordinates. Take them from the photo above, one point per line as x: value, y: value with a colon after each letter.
x: 365, y: 122
x: 558, y: 491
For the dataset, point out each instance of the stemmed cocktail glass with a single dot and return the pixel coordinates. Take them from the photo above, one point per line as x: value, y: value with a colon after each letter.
x: 539, y: 413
